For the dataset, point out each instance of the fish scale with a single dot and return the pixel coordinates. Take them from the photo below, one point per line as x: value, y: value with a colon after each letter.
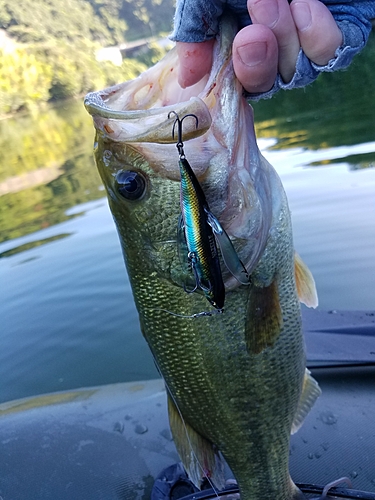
x: 236, y: 381
x: 218, y: 409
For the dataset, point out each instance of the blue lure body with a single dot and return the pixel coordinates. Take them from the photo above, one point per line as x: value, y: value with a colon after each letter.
x: 202, y: 251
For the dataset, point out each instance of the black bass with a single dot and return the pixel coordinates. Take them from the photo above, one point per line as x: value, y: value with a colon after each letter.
x: 236, y: 381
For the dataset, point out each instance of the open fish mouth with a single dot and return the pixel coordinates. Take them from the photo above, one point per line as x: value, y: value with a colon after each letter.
x: 136, y: 112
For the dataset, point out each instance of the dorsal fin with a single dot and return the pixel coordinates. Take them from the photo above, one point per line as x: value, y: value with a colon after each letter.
x: 199, y: 456
x: 310, y: 392
x: 264, y: 318
x: 305, y: 283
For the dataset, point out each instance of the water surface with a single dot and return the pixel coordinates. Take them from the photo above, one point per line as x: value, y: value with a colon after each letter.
x: 67, y: 314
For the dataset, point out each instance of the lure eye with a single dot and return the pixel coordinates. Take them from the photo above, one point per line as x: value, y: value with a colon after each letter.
x: 131, y: 185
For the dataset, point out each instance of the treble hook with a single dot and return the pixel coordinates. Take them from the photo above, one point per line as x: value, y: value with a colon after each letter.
x: 180, y: 144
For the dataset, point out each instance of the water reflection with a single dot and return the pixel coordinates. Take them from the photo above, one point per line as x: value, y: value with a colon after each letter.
x: 32, y: 244
x: 355, y: 161
x: 46, y: 167
x: 337, y: 110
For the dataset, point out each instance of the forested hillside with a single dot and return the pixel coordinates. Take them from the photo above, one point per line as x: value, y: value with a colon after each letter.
x: 48, y: 47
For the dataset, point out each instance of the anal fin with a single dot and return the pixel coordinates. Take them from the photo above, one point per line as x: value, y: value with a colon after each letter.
x: 310, y: 393
x: 305, y: 283
x: 199, y: 456
x: 264, y: 318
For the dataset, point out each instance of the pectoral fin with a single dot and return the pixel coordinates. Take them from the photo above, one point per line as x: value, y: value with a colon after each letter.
x: 305, y: 283
x: 310, y: 392
x: 199, y: 456
x: 264, y: 318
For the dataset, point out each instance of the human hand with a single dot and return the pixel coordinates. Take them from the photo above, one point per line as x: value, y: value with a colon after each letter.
x: 270, y: 45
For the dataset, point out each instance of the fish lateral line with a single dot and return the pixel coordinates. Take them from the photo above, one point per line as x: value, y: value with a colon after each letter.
x: 189, y: 316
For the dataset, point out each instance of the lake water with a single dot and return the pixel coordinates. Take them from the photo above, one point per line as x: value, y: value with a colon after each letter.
x: 67, y: 315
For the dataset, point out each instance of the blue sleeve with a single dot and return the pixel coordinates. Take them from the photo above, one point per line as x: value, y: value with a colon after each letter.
x: 198, y: 20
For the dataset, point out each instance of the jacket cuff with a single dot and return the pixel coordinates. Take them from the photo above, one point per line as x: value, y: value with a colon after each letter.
x: 307, y: 71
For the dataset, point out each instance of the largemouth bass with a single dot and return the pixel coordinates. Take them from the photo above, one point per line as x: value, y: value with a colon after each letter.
x: 236, y: 381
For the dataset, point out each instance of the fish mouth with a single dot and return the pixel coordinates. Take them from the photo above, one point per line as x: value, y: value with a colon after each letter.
x: 138, y: 112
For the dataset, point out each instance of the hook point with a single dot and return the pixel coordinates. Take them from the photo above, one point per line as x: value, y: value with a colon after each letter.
x: 179, y: 121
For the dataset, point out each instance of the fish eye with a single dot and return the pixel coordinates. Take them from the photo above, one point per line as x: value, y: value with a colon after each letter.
x: 130, y: 184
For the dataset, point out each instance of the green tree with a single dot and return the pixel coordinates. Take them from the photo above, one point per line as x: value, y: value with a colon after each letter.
x: 147, y: 18
x: 24, y: 81
x: 33, y: 21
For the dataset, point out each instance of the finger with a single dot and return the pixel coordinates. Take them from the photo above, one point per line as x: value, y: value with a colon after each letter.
x: 195, y: 61
x: 255, y: 58
x: 276, y: 15
x: 317, y: 30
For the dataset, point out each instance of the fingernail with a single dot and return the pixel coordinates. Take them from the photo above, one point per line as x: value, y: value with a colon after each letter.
x: 301, y: 15
x: 253, y: 53
x: 266, y: 12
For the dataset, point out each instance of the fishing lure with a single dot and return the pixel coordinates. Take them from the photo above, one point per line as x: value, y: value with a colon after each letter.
x: 201, y: 231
